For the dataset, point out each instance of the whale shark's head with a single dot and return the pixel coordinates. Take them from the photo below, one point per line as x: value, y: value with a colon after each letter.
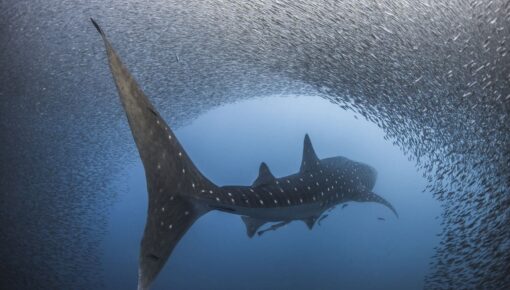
x: 367, y: 175
x: 364, y: 173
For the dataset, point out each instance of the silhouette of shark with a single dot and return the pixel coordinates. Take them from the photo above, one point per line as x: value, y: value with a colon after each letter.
x: 179, y: 194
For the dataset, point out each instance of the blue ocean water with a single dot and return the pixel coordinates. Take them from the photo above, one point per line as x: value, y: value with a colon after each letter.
x: 433, y: 73
x: 352, y: 248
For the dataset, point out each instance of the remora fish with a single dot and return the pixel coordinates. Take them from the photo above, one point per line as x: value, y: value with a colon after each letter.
x: 179, y: 193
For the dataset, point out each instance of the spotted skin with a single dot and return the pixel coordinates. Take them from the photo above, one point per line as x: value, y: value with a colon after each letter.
x: 179, y: 193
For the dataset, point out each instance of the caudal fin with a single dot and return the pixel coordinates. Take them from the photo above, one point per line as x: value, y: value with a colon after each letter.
x: 172, y: 178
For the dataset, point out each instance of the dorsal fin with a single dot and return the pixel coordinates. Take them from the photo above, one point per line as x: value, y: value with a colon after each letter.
x: 310, y: 221
x: 265, y: 176
x: 252, y: 225
x: 310, y: 159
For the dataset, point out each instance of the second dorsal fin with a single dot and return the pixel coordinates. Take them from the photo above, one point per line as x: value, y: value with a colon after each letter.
x: 310, y: 159
x: 265, y: 176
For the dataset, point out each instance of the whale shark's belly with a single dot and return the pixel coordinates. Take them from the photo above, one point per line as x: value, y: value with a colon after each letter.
x: 285, y: 213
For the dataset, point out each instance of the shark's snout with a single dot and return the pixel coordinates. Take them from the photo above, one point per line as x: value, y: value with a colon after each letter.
x: 367, y: 174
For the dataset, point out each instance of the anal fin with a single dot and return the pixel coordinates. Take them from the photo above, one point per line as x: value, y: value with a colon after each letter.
x: 310, y: 222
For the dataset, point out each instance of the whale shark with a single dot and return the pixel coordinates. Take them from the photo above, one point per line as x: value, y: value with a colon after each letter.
x: 179, y: 194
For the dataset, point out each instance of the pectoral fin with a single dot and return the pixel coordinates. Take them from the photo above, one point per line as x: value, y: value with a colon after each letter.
x: 252, y: 225
x: 372, y: 197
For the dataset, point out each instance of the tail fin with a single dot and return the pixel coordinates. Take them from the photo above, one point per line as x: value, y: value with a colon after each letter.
x: 171, y: 176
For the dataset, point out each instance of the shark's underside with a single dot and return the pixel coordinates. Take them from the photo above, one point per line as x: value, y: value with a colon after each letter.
x: 179, y: 194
